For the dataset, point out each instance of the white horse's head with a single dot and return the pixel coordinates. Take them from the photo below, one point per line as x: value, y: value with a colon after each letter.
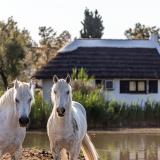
x: 23, y: 96
x: 61, y: 95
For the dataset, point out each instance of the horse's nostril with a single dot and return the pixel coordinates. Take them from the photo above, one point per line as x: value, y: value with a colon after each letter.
x: 23, y: 121
x: 63, y: 110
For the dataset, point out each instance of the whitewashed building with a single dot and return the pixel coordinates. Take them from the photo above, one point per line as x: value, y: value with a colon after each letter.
x: 128, y: 69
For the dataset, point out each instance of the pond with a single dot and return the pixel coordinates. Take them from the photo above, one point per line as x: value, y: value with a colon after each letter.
x: 111, y: 145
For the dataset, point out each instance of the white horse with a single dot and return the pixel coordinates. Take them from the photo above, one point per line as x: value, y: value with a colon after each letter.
x: 67, y: 125
x: 15, y: 106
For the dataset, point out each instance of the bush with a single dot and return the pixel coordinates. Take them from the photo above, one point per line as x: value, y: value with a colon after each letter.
x: 40, y: 112
x: 100, y: 113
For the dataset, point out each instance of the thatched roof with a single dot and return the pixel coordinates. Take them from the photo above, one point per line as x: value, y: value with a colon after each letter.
x: 105, y: 62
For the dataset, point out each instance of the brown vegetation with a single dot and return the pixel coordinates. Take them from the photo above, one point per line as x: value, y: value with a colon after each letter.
x: 34, y: 154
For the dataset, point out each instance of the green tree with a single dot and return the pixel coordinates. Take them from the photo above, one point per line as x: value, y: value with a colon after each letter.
x: 92, y: 25
x: 14, y: 44
x: 47, y: 38
x: 141, y: 31
x: 50, y: 43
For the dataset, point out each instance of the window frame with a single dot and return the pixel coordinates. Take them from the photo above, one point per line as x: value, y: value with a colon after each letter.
x: 128, y: 87
x: 109, y: 89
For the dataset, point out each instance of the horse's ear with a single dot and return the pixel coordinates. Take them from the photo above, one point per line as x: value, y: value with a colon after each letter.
x: 68, y: 79
x: 32, y: 84
x: 55, y: 79
x: 16, y: 84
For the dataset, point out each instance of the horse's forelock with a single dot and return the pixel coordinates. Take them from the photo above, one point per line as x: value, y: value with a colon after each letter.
x: 24, y: 89
x: 62, y: 84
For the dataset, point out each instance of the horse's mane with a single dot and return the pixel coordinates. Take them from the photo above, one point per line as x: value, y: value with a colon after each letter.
x: 7, y: 97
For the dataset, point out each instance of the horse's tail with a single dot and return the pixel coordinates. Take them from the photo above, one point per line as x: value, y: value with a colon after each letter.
x: 88, y: 149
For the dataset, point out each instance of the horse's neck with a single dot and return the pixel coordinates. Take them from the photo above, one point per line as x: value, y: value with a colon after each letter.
x: 7, y: 107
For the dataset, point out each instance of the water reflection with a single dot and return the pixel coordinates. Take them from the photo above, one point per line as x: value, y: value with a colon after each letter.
x: 37, y: 140
x: 128, y: 146
x: 112, y: 146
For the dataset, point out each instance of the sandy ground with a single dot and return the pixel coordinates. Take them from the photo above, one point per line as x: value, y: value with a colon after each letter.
x: 34, y: 154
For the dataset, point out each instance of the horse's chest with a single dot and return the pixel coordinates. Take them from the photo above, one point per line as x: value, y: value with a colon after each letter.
x: 10, y: 141
x: 66, y: 141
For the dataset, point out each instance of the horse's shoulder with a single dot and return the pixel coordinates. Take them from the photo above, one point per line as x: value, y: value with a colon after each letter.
x: 78, y: 106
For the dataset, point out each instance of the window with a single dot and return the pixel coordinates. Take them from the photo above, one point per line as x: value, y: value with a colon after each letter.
x: 134, y: 86
x: 141, y: 86
x: 124, y: 86
x: 99, y: 82
x: 109, y: 84
x: 153, y: 86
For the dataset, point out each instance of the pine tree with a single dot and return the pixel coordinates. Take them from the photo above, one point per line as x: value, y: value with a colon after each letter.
x: 92, y: 25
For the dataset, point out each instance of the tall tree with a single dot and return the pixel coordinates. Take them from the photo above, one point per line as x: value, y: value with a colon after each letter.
x: 92, y: 25
x: 50, y: 43
x: 47, y: 38
x: 14, y: 44
x: 140, y: 31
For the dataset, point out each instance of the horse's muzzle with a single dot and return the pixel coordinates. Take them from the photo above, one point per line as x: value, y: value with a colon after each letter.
x: 60, y: 111
x: 23, y: 121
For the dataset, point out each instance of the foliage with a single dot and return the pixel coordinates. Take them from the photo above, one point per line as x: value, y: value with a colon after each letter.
x: 14, y: 45
x: 50, y: 43
x: 101, y: 114
x: 80, y: 74
x: 40, y: 112
x: 140, y: 31
x: 92, y: 25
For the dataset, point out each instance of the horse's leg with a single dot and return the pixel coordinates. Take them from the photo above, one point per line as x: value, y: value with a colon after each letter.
x: 74, y: 151
x: 55, y: 149
x: 64, y: 154
x: 0, y: 153
x: 17, y: 154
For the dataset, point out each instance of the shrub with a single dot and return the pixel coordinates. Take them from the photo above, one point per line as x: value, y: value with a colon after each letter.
x: 100, y: 113
x: 40, y: 112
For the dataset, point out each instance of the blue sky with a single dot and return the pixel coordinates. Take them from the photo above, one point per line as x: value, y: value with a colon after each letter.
x: 118, y: 15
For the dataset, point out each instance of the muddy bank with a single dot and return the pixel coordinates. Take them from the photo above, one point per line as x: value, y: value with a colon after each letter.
x: 34, y: 154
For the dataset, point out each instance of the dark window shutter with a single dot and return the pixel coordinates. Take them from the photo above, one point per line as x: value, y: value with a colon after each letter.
x: 124, y: 86
x: 99, y: 82
x: 153, y: 86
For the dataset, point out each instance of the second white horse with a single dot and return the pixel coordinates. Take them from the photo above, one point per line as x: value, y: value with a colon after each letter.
x: 15, y: 106
x: 67, y: 125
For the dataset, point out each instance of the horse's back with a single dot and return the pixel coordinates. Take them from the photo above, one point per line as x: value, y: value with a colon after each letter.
x: 79, y: 114
x: 78, y: 106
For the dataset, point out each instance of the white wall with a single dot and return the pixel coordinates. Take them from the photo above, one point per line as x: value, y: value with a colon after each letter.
x: 130, y: 98
x: 46, y: 86
x: 111, y: 95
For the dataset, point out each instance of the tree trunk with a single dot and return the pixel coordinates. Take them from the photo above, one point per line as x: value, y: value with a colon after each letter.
x: 4, y: 78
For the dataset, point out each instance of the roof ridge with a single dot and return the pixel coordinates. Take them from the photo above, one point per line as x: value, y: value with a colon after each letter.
x: 115, y: 43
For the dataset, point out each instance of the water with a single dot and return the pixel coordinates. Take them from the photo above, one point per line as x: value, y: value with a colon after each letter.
x: 111, y: 146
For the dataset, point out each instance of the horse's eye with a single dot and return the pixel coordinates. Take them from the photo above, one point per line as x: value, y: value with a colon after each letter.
x: 67, y: 92
x: 17, y: 101
x: 30, y: 100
